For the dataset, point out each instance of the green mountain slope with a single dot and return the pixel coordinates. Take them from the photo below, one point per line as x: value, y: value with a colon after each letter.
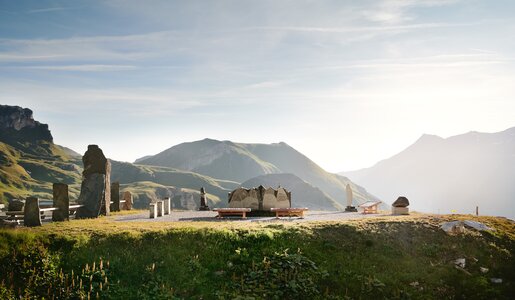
x: 151, y: 182
x: 30, y: 163
x: 219, y: 159
x: 23, y: 174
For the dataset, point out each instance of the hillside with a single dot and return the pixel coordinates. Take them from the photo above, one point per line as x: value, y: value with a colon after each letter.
x: 240, y: 162
x: 457, y: 173
x: 303, y: 193
x: 406, y: 257
x: 29, y: 160
x: 30, y: 163
x: 219, y: 159
x: 150, y: 182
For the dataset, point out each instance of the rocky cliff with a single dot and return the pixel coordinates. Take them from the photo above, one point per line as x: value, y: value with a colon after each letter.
x: 17, y: 124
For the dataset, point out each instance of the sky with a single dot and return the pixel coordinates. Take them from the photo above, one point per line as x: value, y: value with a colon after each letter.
x: 347, y: 83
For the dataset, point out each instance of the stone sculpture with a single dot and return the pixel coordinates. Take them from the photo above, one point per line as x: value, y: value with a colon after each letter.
x: 95, y: 191
x: 203, y: 200
x: 349, y: 207
x: 260, y: 198
x: 400, y: 206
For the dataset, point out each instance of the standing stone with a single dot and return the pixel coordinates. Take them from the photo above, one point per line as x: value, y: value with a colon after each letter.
x: 166, y: 206
x: 115, y: 196
x: 106, y: 199
x: 127, y: 196
x: 260, y: 196
x: 159, y: 205
x: 349, y: 207
x: 91, y: 193
x: 203, y: 200
x: 61, y: 201
x: 32, y: 213
x: 95, y: 193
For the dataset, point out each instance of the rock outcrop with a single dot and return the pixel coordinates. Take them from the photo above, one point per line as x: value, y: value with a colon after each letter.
x: 18, y: 124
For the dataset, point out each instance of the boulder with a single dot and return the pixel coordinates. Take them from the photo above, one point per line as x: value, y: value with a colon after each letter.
x: 401, y: 202
x: 94, y: 161
x: 16, y: 205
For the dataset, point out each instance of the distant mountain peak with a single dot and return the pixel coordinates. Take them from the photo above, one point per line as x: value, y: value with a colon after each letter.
x: 429, y: 138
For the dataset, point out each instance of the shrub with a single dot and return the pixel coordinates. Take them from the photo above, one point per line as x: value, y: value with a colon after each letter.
x: 281, y: 275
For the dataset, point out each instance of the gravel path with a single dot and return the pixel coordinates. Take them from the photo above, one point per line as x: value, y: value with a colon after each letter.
x: 210, y: 216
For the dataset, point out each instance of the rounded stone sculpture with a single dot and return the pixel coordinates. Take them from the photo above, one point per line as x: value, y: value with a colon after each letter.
x: 401, y: 202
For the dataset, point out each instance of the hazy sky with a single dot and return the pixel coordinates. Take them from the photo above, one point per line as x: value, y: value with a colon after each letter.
x: 345, y: 82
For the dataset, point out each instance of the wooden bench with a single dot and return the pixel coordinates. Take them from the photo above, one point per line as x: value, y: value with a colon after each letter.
x: 232, y: 212
x: 289, y: 212
x: 370, y: 207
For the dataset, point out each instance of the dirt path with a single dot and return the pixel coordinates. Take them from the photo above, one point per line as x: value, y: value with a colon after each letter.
x: 192, y: 216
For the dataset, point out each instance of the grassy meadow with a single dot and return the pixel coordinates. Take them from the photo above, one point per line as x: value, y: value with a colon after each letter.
x: 379, y: 258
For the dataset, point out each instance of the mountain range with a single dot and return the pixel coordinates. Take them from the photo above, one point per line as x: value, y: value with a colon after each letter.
x: 452, y: 174
x: 240, y: 162
x: 30, y: 162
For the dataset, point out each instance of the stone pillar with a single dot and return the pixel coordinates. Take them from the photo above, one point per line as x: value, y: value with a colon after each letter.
x: 159, y: 205
x: 32, y: 213
x: 127, y: 196
x: 106, y: 199
x: 61, y: 201
x: 203, y: 200
x: 166, y: 206
x: 261, y: 195
x: 152, y: 210
x: 350, y: 207
x: 115, y: 196
x: 95, y: 192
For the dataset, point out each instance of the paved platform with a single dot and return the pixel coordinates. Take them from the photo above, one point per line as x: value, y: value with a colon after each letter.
x: 210, y: 216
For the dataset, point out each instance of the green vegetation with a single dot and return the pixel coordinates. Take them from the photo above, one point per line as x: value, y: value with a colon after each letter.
x: 404, y: 257
x: 23, y: 174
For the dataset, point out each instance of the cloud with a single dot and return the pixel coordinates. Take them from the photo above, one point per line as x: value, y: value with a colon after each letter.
x: 52, y: 9
x: 83, y: 68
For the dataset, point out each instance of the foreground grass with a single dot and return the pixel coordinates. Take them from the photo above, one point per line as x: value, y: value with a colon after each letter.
x: 389, y: 257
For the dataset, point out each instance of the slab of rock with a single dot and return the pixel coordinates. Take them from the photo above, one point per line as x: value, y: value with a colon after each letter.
x: 454, y: 227
x: 92, y: 192
x: 127, y: 196
x: 477, y: 225
x: 460, y: 262
x: 61, y: 201
x: 401, y: 202
x: 31, y: 216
